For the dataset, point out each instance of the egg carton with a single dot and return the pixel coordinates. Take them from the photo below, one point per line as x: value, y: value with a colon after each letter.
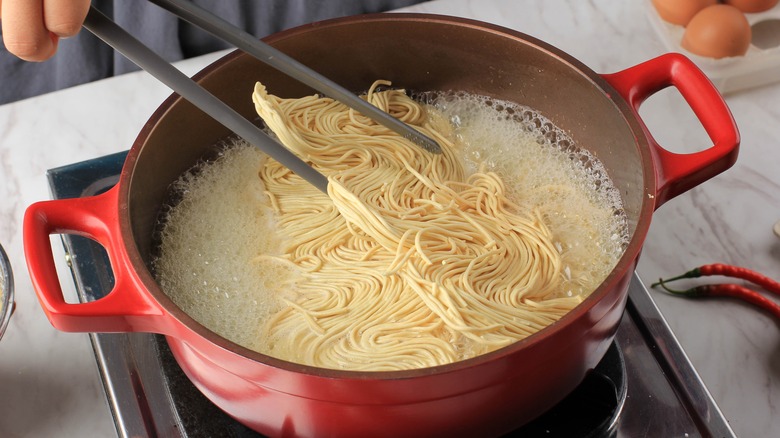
x: 759, y: 66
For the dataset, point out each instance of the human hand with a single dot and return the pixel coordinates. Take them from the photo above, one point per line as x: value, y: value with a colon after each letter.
x: 32, y: 28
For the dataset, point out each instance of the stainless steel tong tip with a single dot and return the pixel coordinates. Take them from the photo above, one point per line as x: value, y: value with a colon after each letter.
x: 116, y: 37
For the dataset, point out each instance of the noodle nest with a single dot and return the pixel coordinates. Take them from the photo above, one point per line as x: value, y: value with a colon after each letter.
x: 409, y: 261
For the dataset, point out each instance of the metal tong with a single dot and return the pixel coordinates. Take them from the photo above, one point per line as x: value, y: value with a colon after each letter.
x: 112, y: 34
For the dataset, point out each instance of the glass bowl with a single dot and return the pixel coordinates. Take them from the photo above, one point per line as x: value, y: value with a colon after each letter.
x: 6, y: 291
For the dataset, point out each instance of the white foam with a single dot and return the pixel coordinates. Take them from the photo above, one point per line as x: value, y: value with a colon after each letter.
x: 546, y: 171
x: 210, y: 242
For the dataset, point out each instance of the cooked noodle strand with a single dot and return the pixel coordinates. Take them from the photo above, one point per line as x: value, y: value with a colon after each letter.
x: 409, y: 261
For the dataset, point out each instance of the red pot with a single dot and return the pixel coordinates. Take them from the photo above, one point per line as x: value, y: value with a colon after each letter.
x: 484, y: 396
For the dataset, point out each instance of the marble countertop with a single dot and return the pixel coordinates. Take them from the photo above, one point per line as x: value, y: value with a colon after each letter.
x: 49, y: 380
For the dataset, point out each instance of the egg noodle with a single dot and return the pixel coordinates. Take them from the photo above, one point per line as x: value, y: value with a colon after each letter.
x: 410, y: 261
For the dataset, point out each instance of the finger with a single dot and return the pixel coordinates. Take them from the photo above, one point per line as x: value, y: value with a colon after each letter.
x: 64, y: 17
x: 24, y: 33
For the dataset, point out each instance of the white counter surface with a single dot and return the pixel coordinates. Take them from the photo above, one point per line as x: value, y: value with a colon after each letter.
x: 49, y: 382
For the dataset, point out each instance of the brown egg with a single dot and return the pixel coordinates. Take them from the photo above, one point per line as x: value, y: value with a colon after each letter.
x: 680, y: 12
x: 717, y: 31
x: 752, y: 5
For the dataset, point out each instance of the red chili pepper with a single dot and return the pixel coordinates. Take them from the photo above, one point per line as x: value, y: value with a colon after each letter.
x: 729, y: 271
x: 727, y: 290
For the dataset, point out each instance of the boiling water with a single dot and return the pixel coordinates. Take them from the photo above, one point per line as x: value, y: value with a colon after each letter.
x: 544, y: 169
x: 210, y: 241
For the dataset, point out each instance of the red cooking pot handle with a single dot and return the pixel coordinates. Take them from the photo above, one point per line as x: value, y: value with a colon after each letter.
x: 677, y: 173
x: 124, y: 308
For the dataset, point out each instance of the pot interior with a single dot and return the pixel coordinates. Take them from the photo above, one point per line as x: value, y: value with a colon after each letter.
x: 416, y: 52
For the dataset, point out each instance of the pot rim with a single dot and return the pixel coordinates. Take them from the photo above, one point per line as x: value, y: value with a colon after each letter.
x: 622, y: 267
